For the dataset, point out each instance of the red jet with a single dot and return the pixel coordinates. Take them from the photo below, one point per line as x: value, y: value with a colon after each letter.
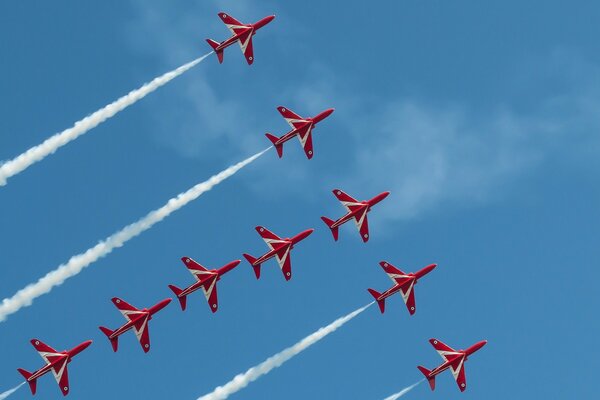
x: 136, y: 319
x: 280, y: 249
x: 453, y: 359
x: 206, y: 280
x: 403, y: 283
x: 242, y: 33
x: 56, y: 361
x: 357, y: 210
x: 301, y: 127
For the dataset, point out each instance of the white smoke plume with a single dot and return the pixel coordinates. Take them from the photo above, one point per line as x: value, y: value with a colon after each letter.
x: 242, y: 380
x: 11, y: 391
x: 76, y: 264
x: 53, y: 143
x: 403, y: 391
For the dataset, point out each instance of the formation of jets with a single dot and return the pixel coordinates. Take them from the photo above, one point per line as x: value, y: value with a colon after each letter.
x: 279, y: 249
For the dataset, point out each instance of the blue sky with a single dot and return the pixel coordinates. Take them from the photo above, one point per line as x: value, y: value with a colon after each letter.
x: 480, y: 119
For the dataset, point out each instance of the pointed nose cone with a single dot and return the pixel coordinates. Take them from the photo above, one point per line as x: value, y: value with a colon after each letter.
x: 378, y: 198
x: 159, y: 306
x: 320, y: 117
x: 229, y: 267
x: 476, y: 346
x: 78, y: 349
x: 264, y: 21
x: 302, y: 235
x: 426, y: 270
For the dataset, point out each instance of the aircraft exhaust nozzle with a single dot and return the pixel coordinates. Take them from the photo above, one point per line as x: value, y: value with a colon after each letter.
x: 26, y: 374
x: 430, y: 379
x: 182, y: 299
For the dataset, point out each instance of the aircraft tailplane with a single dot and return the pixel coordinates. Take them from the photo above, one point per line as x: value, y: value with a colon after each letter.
x: 430, y: 379
x: 27, y: 375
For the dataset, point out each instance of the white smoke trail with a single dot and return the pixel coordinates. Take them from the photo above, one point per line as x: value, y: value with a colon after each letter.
x: 53, y: 143
x: 11, y: 391
x: 403, y: 391
x: 25, y: 297
x: 242, y: 380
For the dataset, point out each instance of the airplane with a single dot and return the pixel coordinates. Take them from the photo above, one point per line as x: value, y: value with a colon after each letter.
x: 403, y: 283
x: 357, y: 210
x: 56, y: 361
x: 206, y: 280
x: 242, y: 33
x: 453, y: 359
x: 136, y: 319
x: 280, y: 249
x: 301, y: 127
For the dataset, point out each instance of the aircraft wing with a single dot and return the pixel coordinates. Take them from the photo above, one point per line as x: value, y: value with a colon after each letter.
x: 445, y: 351
x: 232, y: 24
x: 458, y: 371
x: 395, y: 274
x: 408, y: 295
x: 305, y: 137
x: 362, y: 223
x: 197, y: 270
x: 285, y: 262
x: 293, y: 119
x: 126, y: 309
x: 271, y: 239
x: 47, y: 353
x: 61, y: 374
x: 347, y: 201
x: 141, y: 332
x: 245, y: 41
x: 210, y: 292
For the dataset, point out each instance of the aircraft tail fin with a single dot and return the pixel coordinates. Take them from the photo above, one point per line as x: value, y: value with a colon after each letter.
x: 113, y: 341
x: 182, y: 298
x: 278, y: 147
x: 256, y: 267
x: 430, y: 379
x: 334, y: 230
x: 27, y: 375
x: 215, y: 45
x: 380, y: 303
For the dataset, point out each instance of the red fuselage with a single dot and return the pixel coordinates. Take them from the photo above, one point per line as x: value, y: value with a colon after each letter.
x: 241, y: 32
x: 59, y: 358
x: 308, y: 124
x: 287, y: 242
x: 411, y: 278
x: 359, y: 208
